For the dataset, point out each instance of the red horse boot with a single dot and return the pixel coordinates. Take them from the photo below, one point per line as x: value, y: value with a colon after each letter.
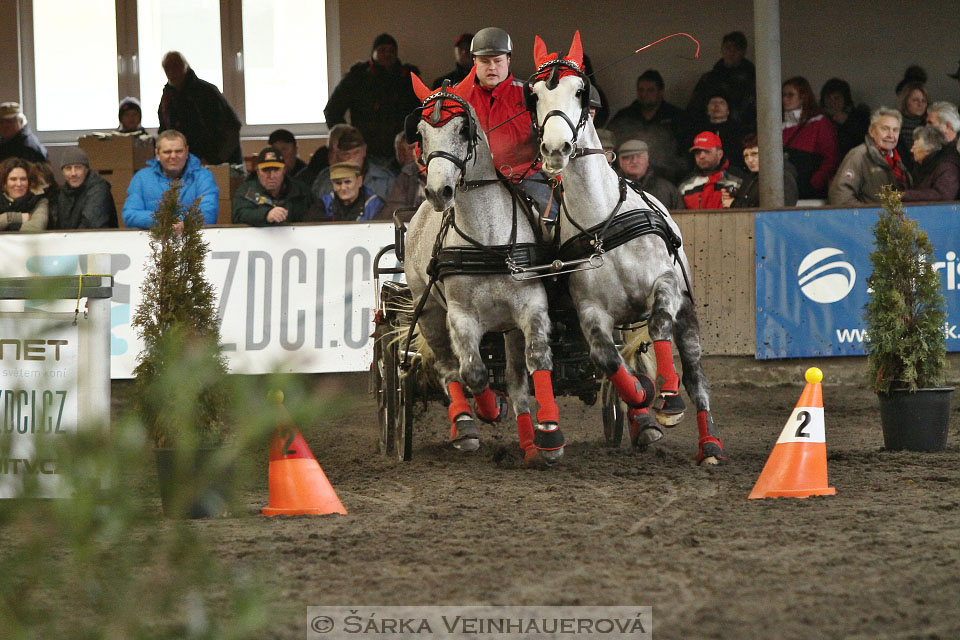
x: 637, y: 391
x: 669, y: 406
x: 710, y: 448
x: 491, y: 406
x: 525, y: 434
x: 547, y: 437
x: 464, y: 434
x: 644, y: 429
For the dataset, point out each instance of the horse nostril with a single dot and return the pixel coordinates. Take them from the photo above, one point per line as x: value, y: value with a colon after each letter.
x: 543, y: 149
x: 447, y: 192
x: 567, y: 148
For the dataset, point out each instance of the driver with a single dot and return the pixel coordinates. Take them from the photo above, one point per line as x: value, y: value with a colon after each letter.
x: 497, y: 96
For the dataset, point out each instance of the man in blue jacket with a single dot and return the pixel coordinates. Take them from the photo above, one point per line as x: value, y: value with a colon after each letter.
x: 174, y: 161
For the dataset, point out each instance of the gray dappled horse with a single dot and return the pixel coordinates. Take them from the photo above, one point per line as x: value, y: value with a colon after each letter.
x: 647, y: 274
x: 470, y: 218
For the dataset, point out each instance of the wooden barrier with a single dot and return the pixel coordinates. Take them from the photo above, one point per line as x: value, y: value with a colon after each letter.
x: 720, y: 247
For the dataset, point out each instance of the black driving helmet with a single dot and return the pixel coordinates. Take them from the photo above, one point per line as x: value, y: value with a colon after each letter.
x: 491, y: 41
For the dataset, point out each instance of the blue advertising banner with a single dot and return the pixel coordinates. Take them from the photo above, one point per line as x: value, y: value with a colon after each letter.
x: 811, y: 274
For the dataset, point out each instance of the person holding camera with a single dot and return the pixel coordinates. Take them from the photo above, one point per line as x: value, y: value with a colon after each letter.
x: 704, y: 188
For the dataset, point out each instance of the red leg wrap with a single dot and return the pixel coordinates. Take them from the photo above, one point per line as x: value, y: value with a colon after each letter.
x: 458, y: 401
x: 629, y: 388
x: 665, y: 369
x: 525, y: 432
x: 543, y: 390
x: 704, y: 424
x: 487, y: 404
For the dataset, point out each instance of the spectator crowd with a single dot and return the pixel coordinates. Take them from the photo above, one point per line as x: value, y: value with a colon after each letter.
x: 702, y: 156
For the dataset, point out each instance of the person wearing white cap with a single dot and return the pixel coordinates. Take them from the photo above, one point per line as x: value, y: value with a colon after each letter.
x: 633, y: 162
x: 16, y: 138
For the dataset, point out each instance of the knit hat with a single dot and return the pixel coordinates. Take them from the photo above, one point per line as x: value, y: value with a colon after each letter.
x: 10, y: 110
x: 383, y: 38
x: 74, y: 155
x: 129, y: 103
x: 706, y: 140
x: 632, y: 148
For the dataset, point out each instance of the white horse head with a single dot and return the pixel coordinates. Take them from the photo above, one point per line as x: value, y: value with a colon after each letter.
x: 558, y: 96
x: 450, y: 140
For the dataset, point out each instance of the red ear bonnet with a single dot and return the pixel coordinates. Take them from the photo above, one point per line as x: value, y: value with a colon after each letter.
x: 419, y: 88
x: 576, y: 51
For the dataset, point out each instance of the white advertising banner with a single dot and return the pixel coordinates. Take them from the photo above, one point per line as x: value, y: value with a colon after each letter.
x: 292, y: 299
x: 38, y: 396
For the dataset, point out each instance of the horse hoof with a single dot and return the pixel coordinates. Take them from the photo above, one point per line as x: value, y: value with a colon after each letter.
x: 466, y: 437
x: 710, y: 453
x: 644, y: 430
x: 669, y: 409
x: 551, y: 456
x: 648, y: 436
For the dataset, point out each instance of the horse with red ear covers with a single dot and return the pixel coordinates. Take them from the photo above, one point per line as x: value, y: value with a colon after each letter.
x: 462, y: 247
x: 644, y: 274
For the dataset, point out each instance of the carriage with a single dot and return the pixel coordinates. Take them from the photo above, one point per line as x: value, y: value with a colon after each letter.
x: 402, y: 395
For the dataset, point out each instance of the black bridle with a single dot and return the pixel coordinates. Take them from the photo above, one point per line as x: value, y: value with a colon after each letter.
x: 438, y: 103
x: 550, y: 72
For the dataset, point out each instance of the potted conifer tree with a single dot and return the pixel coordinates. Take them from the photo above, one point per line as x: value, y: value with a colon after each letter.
x: 180, y: 379
x: 905, y: 342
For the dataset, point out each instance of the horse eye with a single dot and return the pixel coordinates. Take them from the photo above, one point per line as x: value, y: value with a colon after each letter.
x: 579, y: 92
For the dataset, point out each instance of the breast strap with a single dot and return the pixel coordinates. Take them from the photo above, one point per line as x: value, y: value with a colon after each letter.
x: 624, y: 227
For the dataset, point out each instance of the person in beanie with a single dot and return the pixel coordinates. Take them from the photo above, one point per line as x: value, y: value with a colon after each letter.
x: 268, y: 196
x: 130, y: 115
x: 349, y: 200
x: 16, y: 138
x: 85, y: 200
x: 704, y: 188
x: 378, y: 94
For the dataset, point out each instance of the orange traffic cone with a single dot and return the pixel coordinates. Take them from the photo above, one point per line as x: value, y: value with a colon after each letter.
x: 298, y: 485
x: 797, y: 467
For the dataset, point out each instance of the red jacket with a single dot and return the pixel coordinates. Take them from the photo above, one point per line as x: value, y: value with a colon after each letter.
x: 510, y: 144
x: 702, y: 191
x: 816, y: 136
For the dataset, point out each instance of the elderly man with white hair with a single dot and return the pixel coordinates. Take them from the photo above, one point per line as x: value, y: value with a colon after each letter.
x: 869, y: 166
x: 16, y: 138
x: 944, y: 116
x: 937, y: 172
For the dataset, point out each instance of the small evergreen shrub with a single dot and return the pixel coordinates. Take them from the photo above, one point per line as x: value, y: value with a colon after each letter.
x: 907, y: 311
x: 177, y: 321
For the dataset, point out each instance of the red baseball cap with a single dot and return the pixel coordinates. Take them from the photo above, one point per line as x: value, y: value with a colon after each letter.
x: 706, y: 140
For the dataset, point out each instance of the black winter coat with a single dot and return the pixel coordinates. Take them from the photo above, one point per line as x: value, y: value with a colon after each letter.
x: 378, y: 100
x: 24, y: 145
x: 200, y: 112
x: 89, y: 206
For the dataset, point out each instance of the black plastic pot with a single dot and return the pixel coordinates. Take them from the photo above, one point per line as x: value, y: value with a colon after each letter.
x: 915, y: 421
x: 192, y: 484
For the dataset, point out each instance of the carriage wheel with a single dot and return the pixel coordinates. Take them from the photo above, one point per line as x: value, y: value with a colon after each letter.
x: 613, y: 414
x: 403, y: 413
x: 384, y: 385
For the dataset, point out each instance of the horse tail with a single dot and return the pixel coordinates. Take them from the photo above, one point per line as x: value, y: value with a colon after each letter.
x: 401, y: 309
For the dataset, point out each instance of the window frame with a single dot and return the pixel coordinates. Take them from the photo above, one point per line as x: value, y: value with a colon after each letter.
x: 128, y: 68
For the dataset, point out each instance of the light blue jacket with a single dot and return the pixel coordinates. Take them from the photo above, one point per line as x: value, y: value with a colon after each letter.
x: 149, y: 184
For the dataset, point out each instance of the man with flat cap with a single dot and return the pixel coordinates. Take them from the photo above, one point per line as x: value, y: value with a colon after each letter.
x: 633, y: 162
x: 268, y: 196
x: 378, y: 94
x: 16, y: 138
x: 349, y: 200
